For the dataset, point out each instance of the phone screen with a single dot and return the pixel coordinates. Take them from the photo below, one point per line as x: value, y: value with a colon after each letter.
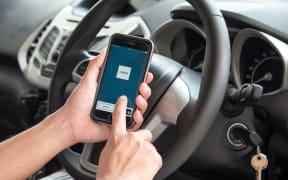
x: 124, y: 71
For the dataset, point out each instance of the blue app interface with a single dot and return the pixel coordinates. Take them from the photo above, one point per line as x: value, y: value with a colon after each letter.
x: 122, y: 76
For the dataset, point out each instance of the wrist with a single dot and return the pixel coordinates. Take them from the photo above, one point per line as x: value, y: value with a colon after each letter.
x: 62, y: 129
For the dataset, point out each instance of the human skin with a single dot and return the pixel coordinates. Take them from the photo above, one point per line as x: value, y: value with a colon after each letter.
x: 25, y: 153
x: 127, y: 155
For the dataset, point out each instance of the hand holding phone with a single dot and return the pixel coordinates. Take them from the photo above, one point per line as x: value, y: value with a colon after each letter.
x: 126, y: 65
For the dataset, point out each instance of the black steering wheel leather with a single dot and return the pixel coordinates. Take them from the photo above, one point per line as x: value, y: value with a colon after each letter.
x: 195, y: 119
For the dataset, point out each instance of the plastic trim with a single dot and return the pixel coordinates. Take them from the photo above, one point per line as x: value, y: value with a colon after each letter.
x: 66, y: 22
x: 172, y: 28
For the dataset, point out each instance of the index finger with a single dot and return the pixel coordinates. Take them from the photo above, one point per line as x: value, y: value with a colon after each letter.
x: 119, y: 117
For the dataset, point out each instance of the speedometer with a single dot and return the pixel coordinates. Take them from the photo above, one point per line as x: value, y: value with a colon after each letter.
x: 260, y: 59
x: 261, y: 64
x: 267, y: 72
x: 264, y: 75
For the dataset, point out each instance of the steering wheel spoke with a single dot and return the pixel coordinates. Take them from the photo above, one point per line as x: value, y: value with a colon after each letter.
x: 85, y: 156
x: 82, y: 65
x: 77, y: 75
x: 85, y: 159
x: 79, y: 70
x: 164, y: 115
x: 168, y: 109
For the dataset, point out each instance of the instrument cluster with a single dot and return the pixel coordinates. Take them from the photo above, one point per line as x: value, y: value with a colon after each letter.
x: 257, y: 57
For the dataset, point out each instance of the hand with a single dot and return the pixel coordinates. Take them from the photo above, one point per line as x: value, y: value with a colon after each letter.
x: 127, y: 155
x: 78, y: 107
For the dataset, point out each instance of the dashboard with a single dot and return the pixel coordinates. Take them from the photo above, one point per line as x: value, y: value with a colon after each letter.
x: 257, y: 57
x: 259, y: 54
x: 38, y: 55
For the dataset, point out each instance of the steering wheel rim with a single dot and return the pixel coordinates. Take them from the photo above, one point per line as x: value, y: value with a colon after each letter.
x: 212, y: 89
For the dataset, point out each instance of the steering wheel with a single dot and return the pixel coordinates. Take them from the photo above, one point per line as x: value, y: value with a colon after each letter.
x: 183, y: 105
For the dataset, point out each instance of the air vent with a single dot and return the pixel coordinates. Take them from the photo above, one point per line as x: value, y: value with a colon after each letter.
x: 35, y: 42
x: 82, y: 68
x: 48, y: 43
x: 56, y: 54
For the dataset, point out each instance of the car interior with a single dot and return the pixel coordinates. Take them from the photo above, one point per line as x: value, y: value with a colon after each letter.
x: 219, y: 93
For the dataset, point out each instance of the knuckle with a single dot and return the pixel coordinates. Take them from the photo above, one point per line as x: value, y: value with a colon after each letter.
x: 116, y: 113
x: 156, y: 157
x: 159, y: 160
x: 148, y: 133
x: 133, y: 138
x: 113, y: 139
x: 147, y: 91
x: 138, y: 143
x: 131, y: 135
x: 144, y: 103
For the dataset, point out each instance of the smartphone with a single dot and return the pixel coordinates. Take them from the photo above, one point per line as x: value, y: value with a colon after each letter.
x: 126, y: 65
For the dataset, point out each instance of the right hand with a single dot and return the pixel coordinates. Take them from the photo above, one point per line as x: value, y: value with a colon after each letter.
x: 127, y: 155
x: 77, y: 109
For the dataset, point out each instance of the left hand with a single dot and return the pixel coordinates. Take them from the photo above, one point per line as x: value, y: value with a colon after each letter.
x: 78, y: 107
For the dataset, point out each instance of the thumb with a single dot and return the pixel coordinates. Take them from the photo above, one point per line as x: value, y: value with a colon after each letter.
x: 93, y: 69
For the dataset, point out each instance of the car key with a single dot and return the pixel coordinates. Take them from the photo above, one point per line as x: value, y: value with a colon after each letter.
x: 259, y: 162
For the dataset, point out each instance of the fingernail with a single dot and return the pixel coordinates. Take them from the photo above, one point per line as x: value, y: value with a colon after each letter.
x: 123, y: 97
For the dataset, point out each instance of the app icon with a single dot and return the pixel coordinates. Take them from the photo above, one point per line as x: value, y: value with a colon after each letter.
x: 123, y: 72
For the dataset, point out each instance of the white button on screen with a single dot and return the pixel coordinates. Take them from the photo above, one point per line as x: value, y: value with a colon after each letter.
x: 123, y: 72
x: 105, y: 106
